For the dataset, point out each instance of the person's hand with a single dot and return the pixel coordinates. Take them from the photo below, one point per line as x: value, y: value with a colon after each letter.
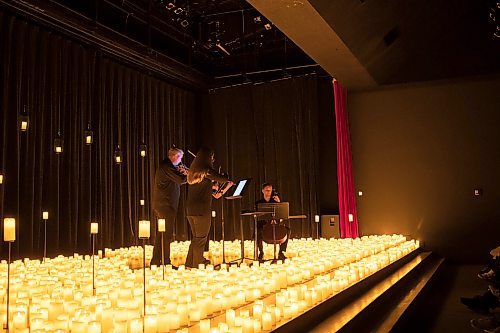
x: 276, y: 198
x: 229, y: 184
x: 495, y: 252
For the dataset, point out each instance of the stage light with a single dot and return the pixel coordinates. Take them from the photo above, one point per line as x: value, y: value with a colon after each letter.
x: 58, y: 144
x: 143, y: 150
x: 222, y: 48
x: 268, y: 26
x: 118, y: 155
x: 184, y: 23
x: 170, y: 6
x: 257, y: 19
x: 178, y: 11
x: 89, y: 135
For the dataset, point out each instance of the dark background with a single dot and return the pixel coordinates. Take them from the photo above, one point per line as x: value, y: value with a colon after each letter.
x: 419, y: 150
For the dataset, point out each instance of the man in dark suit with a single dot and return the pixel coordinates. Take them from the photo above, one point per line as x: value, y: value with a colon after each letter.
x: 169, y: 177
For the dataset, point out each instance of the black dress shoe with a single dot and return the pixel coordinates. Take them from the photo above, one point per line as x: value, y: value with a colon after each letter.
x: 476, y: 303
x: 281, y: 256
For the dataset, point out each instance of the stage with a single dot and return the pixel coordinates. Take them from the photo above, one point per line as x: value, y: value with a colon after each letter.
x: 105, y: 294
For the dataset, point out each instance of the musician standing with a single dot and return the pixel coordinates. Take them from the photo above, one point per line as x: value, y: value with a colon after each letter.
x: 199, y: 201
x: 169, y: 177
x: 269, y: 196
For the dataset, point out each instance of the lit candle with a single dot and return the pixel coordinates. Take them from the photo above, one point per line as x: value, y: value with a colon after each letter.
x: 316, y: 218
x: 205, y: 326
x: 230, y: 316
x: 267, y: 323
x: 143, y: 153
x: 24, y: 125
x: 144, y: 231
x: 150, y: 324
x: 135, y: 326
x: 142, y: 202
x: 351, y: 217
x: 118, y: 159
x: 94, y: 228
x: 58, y: 149
x: 9, y: 229
x: 1, y: 179
x: 94, y: 327
x: 45, y: 215
x: 213, y: 213
x: 88, y: 139
x: 161, y: 225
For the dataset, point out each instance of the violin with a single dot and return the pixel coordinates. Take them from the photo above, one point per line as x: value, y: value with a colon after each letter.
x: 182, y: 168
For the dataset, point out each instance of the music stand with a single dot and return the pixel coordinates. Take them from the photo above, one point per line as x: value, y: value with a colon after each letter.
x: 240, y: 188
x: 279, y: 210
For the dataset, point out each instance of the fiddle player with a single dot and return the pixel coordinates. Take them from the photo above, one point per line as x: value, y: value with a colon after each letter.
x: 269, y: 196
x: 199, y: 200
x: 169, y: 177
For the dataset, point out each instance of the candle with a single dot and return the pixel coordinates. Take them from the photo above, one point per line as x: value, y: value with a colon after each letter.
x: 316, y: 218
x: 351, y: 217
x: 267, y: 321
x: 1, y: 179
x: 144, y: 229
x: 9, y: 229
x: 205, y: 326
x: 135, y: 326
x: 230, y: 316
x: 45, y: 215
x: 118, y: 159
x: 24, y: 125
x: 94, y: 327
x: 143, y: 153
x: 88, y: 139
x: 58, y: 149
x: 161, y: 225
x: 142, y: 202
x: 150, y: 324
x: 94, y: 228
x: 213, y: 213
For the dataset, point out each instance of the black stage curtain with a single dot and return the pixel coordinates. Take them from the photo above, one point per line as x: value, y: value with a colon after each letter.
x: 64, y: 86
x: 268, y: 132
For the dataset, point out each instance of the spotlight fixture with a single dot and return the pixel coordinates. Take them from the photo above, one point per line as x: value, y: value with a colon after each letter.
x: 23, y: 121
x: 257, y: 19
x: 222, y: 48
x: 178, y: 11
x: 88, y: 135
x: 118, y: 155
x: 170, y: 6
x: 184, y: 23
x: 143, y: 150
x: 268, y: 26
x: 58, y: 143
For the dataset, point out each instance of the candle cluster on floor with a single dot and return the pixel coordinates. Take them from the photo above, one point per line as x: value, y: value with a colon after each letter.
x: 57, y: 294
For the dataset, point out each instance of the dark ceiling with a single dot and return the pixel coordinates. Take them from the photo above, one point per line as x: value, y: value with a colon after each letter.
x: 227, y: 40
x: 363, y: 43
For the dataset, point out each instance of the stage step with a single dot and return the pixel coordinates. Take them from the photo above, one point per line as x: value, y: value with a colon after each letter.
x: 380, y: 307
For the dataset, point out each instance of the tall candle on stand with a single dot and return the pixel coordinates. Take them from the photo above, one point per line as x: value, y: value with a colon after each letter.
x: 144, y: 231
x: 1, y: 179
x: 351, y: 218
x: 45, y: 216
x: 94, y: 228
x: 213, y: 213
x: 161, y: 225
x: 316, y: 218
x: 9, y: 229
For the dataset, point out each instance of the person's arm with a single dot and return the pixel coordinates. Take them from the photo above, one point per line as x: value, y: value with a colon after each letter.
x: 173, y: 175
x: 215, y: 176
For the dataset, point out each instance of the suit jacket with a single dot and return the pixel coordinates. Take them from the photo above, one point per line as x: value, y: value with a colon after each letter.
x: 167, y: 187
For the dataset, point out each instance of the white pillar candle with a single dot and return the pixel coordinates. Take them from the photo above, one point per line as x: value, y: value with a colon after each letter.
x: 150, y: 324
x: 20, y: 320
x: 144, y: 231
x: 1, y: 179
x: 142, y: 202
x: 351, y: 217
x: 9, y: 229
x: 94, y: 327
x: 161, y: 225
x: 316, y: 218
x: 45, y: 215
x: 135, y: 326
x: 94, y: 228
x: 230, y: 315
x: 267, y: 321
x: 205, y: 326
x: 213, y: 213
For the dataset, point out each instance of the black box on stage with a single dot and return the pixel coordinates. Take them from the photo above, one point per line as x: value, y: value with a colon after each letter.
x: 330, y: 226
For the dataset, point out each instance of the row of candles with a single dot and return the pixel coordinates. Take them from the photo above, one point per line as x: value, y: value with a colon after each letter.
x: 57, y: 293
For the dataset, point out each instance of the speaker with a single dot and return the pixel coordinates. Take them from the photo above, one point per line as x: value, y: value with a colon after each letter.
x: 330, y: 226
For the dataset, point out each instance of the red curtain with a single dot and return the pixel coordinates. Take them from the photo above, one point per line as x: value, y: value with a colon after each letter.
x: 347, y: 199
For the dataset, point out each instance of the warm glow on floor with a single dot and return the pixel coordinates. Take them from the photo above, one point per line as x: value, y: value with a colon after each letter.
x: 58, y: 294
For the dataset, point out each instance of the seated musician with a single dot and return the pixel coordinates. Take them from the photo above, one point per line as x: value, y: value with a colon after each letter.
x: 269, y: 196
